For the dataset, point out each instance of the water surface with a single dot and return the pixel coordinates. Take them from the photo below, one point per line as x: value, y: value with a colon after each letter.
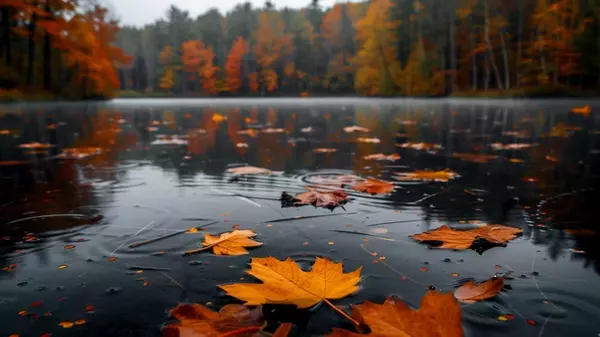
x: 66, y: 222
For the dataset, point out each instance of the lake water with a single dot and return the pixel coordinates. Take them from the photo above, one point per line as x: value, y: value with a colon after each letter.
x: 157, y: 167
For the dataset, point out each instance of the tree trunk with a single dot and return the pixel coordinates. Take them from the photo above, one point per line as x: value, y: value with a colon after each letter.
x: 506, y: 68
x: 31, y: 50
x: 519, y: 42
x: 490, y: 51
x: 486, y: 81
x: 451, y: 20
x: 47, y: 54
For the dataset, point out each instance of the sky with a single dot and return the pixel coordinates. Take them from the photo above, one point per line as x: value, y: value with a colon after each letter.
x: 140, y: 12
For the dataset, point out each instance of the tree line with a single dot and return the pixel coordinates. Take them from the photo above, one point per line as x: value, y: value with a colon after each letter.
x: 58, y: 48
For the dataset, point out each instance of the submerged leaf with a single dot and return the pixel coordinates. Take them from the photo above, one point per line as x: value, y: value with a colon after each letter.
x: 285, y: 283
x: 229, y: 243
x: 373, y: 186
x: 325, y: 199
x: 196, y: 320
x: 438, y: 316
x: 443, y: 175
x: 471, y: 292
x: 465, y: 239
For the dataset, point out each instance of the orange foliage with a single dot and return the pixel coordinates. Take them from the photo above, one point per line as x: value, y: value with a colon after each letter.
x: 233, y: 65
x: 272, y: 44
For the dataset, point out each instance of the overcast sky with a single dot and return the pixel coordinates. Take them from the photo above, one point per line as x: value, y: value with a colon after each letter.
x: 140, y: 12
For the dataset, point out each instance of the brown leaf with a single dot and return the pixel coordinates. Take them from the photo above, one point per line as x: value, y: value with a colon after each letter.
x: 471, y: 292
x: 249, y: 170
x: 196, y: 320
x: 443, y: 175
x: 229, y: 243
x: 464, y: 239
x: 325, y: 199
x: 373, y: 186
x: 438, y: 316
x: 381, y: 156
x: 372, y: 140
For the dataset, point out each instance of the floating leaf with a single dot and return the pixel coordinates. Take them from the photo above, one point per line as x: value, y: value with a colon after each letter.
x: 420, y: 146
x: 381, y: 157
x: 273, y: 131
x: 80, y: 322
x: 66, y: 324
x: 324, y: 150
x: 464, y: 239
x: 241, y: 145
x: 372, y: 140
x: 62, y: 266
x: 229, y: 243
x: 584, y: 110
x: 249, y: 170
x: 373, y: 186
x: 285, y: 283
x: 80, y: 152
x: 325, y: 199
x: 442, y: 176
x: 479, y: 158
x: 512, y: 146
x: 471, y: 292
x: 112, y: 259
x: 198, y: 320
x: 307, y: 129
x: 36, y: 146
x: 217, y: 117
x: 438, y: 316
x: 69, y: 247
x: 354, y: 128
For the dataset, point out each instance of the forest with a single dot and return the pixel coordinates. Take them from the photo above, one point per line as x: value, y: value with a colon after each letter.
x: 426, y: 48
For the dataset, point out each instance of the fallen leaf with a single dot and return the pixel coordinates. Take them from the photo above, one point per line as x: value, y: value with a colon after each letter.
x: 249, y: 170
x: 80, y: 322
x: 479, y: 158
x: 512, y: 146
x: 471, y: 292
x: 217, y: 117
x: 285, y: 283
x: 229, y: 243
x: 36, y: 146
x: 242, y: 145
x: 442, y: 176
x: 465, y: 239
x: 196, y: 320
x: 273, y: 131
x: 420, y: 146
x: 438, y: 316
x: 80, y: 153
x: 62, y: 266
x: 325, y: 199
x: 324, y: 150
x: 381, y: 157
x: 307, y: 129
x: 354, y: 128
x: 372, y: 140
x: 584, y: 110
x: 373, y: 186
x: 515, y: 160
x: 249, y: 132
x: 66, y: 324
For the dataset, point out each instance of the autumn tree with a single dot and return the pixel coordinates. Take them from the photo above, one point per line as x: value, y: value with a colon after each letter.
x: 233, y: 65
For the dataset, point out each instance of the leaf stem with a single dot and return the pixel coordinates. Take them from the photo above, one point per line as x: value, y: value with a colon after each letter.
x: 341, y: 312
x: 194, y: 251
x: 239, y: 331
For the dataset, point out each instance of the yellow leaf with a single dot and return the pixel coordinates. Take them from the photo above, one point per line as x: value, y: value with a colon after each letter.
x: 229, y: 243
x: 285, y: 283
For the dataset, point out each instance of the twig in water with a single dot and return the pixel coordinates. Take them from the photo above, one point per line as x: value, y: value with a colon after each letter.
x: 307, y: 217
x: 172, y: 280
x: 158, y: 238
x: 149, y: 268
x: 391, y: 268
x: 392, y: 222
x: 363, y: 233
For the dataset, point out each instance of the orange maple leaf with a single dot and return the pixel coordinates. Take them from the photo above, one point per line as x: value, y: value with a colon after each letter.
x: 438, y: 316
x: 373, y: 186
x: 465, y: 239
x: 471, y: 292
x: 196, y: 320
x: 229, y: 243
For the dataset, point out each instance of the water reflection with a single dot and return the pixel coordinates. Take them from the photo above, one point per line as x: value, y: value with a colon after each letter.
x: 532, y: 165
